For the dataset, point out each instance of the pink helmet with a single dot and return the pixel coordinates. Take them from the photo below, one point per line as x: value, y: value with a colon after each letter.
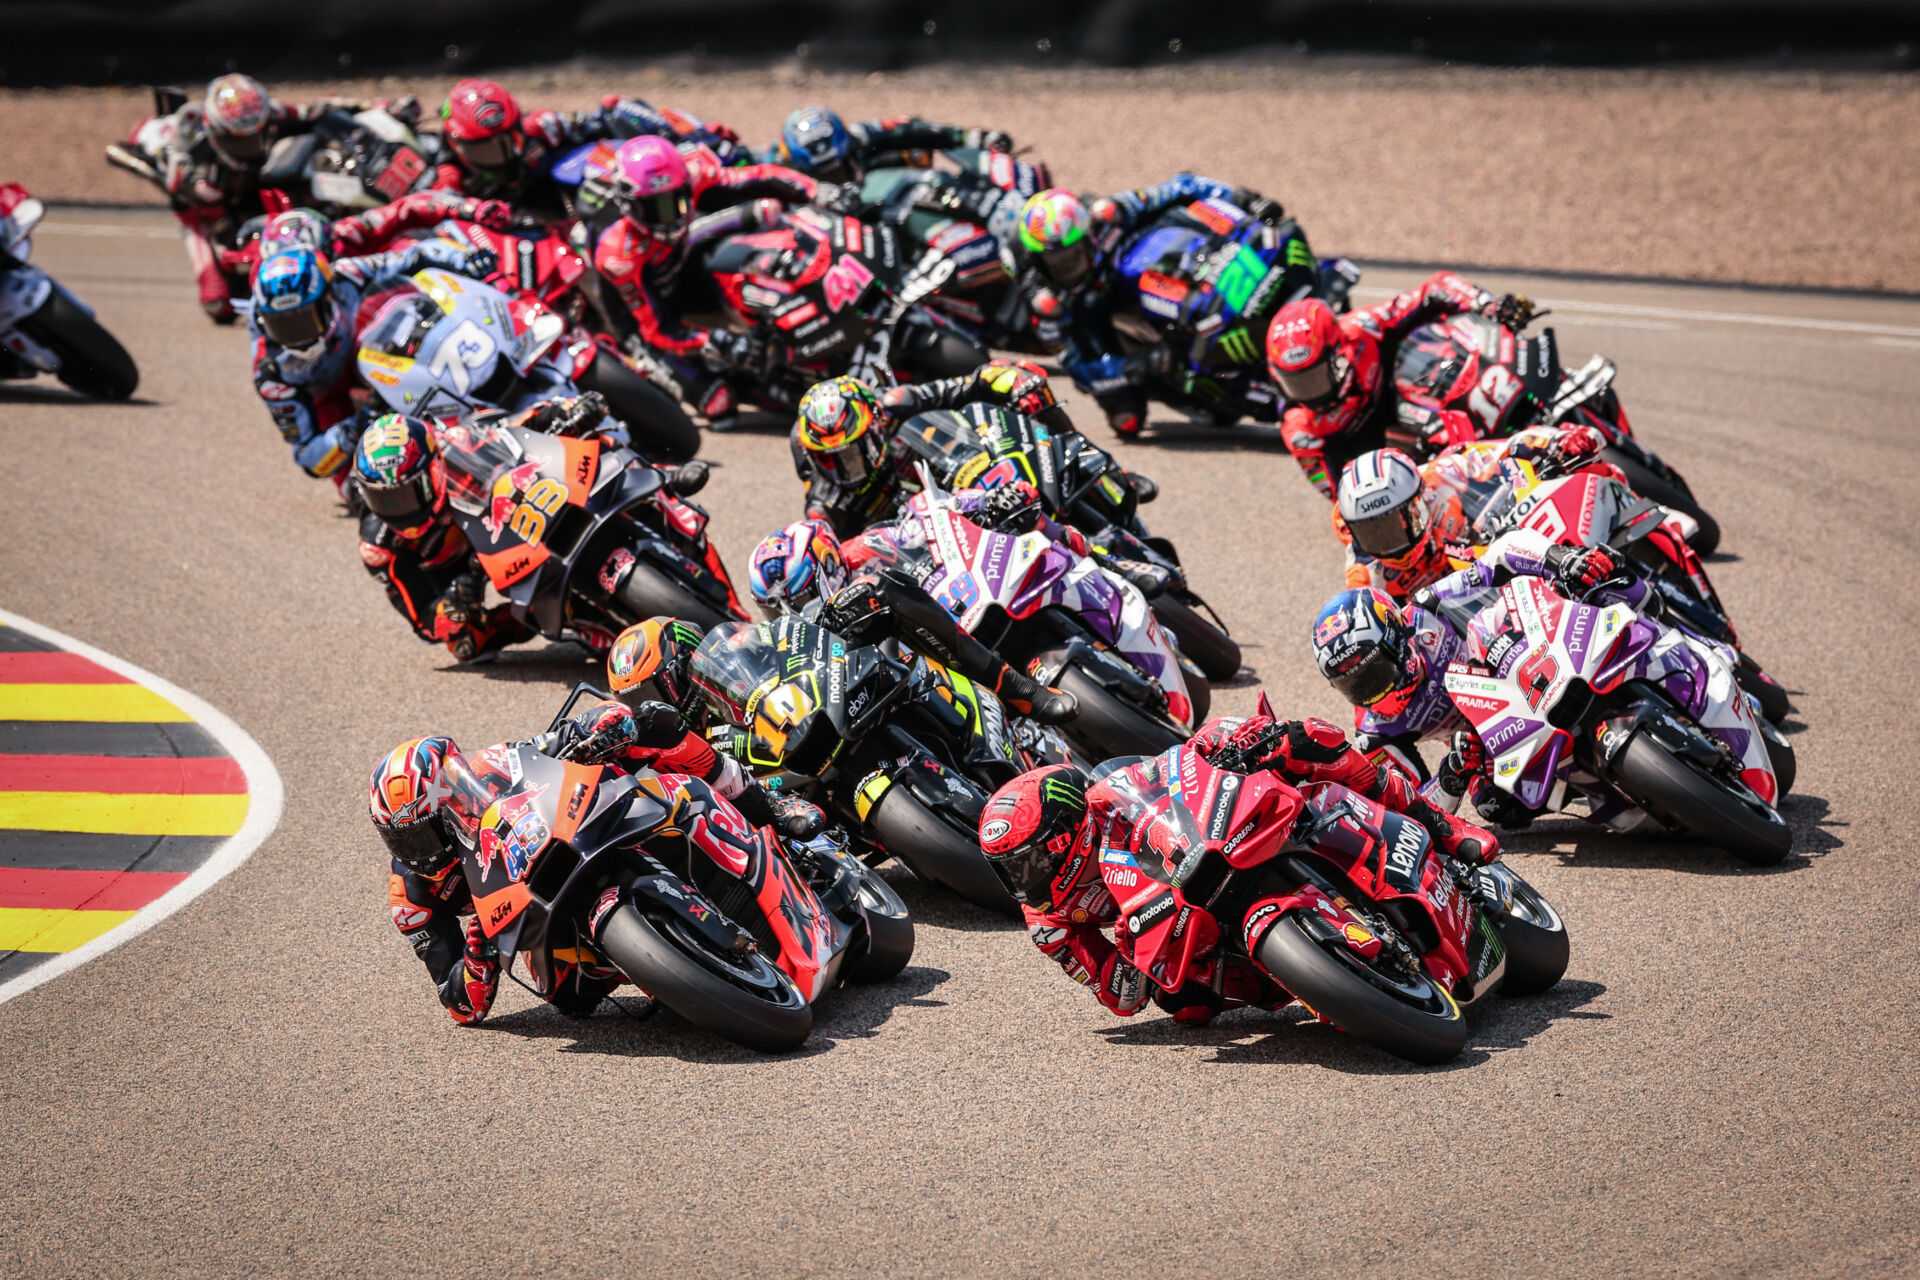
x: 652, y: 187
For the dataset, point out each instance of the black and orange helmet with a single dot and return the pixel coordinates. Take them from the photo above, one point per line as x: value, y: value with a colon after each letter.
x: 652, y: 661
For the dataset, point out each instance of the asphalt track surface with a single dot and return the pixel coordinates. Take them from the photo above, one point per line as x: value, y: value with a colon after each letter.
x: 264, y: 1084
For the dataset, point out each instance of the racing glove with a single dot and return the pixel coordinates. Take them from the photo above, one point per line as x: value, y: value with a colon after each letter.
x: 1028, y: 697
x: 1574, y: 445
x: 727, y: 351
x: 1265, y: 209
x: 480, y: 263
x: 1012, y: 507
x: 1578, y: 570
x: 858, y: 612
x: 837, y: 197
x: 1150, y: 579
x: 494, y: 215
x: 1154, y: 362
x: 1467, y: 761
x: 789, y: 814
x: 567, y: 416
x: 989, y: 140
x: 1122, y: 988
x: 1514, y: 310
x: 470, y: 985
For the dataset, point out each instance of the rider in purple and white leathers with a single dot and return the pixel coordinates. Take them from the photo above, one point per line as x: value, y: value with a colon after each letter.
x: 1409, y: 703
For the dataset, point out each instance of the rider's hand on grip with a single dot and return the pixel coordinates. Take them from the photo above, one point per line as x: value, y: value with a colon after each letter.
x: 469, y: 990
x: 1578, y: 570
x: 480, y: 263
x: 494, y: 215
x: 1012, y: 505
x: 1514, y: 310
x: 800, y: 820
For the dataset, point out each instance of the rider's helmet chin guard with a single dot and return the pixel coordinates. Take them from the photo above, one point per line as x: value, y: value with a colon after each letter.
x: 796, y: 565
x: 1381, y: 502
x: 844, y: 428
x: 652, y: 187
x: 1034, y: 832
x: 815, y: 141
x: 399, y: 473
x: 237, y: 110
x: 652, y: 661
x: 411, y: 797
x: 1306, y: 354
x: 482, y: 125
x: 1365, y: 648
x: 1057, y: 231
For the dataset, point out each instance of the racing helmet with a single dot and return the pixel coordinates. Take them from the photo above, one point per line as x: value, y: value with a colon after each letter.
x: 1381, y: 504
x: 652, y: 661
x: 293, y: 300
x: 651, y: 187
x: 1365, y: 648
x: 397, y: 467
x: 795, y: 566
x: 1306, y: 354
x: 815, y: 141
x: 1057, y: 230
x: 482, y: 123
x: 844, y: 428
x: 409, y: 799
x: 236, y: 111
x: 1034, y: 832
x: 293, y: 229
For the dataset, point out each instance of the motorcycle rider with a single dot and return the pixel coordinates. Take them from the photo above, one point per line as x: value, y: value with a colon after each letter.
x: 305, y: 309
x: 209, y: 154
x: 1402, y: 522
x: 845, y: 440
x: 1336, y: 372
x: 1070, y: 246
x: 803, y: 563
x: 1046, y: 830
x: 816, y: 141
x: 368, y: 232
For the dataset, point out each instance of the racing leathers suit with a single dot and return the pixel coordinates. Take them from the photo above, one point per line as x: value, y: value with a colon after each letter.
x: 1071, y: 929
x: 546, y: 137
x: 435, y: 581
x: 1007, y: 384
x: 307, y: 391
x: 376, y: 229
x: 1323, y: 440
x: 907, y: 141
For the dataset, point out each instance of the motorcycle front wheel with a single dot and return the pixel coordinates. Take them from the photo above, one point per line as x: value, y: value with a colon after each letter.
x: 1211, y: 649
x: 937, y: 852
x: 744, y: 997
x: 1701, y: 804
x: 92, y: 361
x: 1409, y: 1016
x: 660, y: 429
x: 1533, y: 933
x: 1658, y: 489
x: 889, y: 931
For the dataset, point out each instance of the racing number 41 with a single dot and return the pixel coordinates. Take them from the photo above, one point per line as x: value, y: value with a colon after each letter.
x: 542, y: 498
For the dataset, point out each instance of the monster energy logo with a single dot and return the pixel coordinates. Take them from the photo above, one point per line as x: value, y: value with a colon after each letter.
x: 1061, y: 791
x: 1298, y: 255
x: 686, y: 633
x: 1238, y: 346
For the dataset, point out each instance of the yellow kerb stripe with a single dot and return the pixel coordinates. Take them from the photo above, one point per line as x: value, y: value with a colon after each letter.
x: 132, y: 814
x: 120, y: 702
x: 31, y: 929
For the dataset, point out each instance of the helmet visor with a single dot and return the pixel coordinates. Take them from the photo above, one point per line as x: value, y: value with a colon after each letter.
x: 484, y: 153
x: 1311, y: 385
x: 406, y: 505
x: 239, y: 146
x: 662, y: 211
x: 299, y: 328
x: 421, y: 846
x: 1028, y: 873
x: 1391, y: 533
x: 1367, y: 677
x: 1068, y: 265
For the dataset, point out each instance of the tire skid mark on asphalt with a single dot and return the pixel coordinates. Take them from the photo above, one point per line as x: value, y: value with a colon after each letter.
x: 122, y: 798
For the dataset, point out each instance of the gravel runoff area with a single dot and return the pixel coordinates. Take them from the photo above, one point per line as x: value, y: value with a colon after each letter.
x: 1773, y: 178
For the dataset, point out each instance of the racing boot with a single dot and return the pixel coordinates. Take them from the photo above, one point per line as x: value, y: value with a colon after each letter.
x: 1028, y: 697
x: 1151, y: 579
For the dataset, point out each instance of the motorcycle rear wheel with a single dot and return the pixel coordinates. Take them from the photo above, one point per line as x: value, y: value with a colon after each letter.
x: 1658, y: 489
x: 660, y: 429
x: 1699, y: 803
x: 750, y: 1001
x: 1210, y: 648
x: 937, y: 852
x: 92, y: 361
x: 649, y: 593
x: 889, y: 931
x: 1108, y: 725
x: 1416, y: 1020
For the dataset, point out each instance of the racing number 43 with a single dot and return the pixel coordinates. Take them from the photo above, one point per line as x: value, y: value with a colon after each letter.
x: 542, y: 499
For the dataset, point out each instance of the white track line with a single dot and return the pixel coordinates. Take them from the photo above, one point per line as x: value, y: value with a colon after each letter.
x: 106, y: 229
x: 264, y: 796
x: 1574, y: 307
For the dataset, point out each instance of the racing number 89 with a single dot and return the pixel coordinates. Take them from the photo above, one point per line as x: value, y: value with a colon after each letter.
x: 542, y: 498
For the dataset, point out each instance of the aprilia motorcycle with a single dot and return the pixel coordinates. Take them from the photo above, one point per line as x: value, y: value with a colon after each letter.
x: 1503, y: 381
x: 658, y: 876
x: 901, y: 750
x: 445, y: 346
x: 1349, y: 907
x: 44, y: 327
x: 582, y: 537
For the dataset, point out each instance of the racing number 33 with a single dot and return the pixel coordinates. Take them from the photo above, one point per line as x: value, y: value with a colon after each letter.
x: 542, y: 498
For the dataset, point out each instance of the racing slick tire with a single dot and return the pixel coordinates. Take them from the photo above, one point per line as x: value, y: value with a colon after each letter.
x: 938, y: 853
x: 889, y: 931
x: 1107, y: 725
x: 747, y: 999
x: 1701, y: 804
x: 1780, y: 755
x: 1535, y: 938
x: 92, y: 361
x: 649, y: 593
x: 660, y: 429
x: 1413, y: 1018
x: 927, y: 352
x: 1772, y: 695
x: 1210, y: 648
x: 1668, y: 494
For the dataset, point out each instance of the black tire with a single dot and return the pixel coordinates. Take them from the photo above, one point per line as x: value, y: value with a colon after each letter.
x: 758, y: 1007
x: 937, y: 353
x: 1210, y: 648
x: 92, y: 361
x: 1663, y: 491
x: 649, y: 593
x: 1786, y: 769
x: 1535, y: 937
x: 660, y: 428
x: 1108, y: 726
x: 1698, y: 803
x: 889, y: 931
x: 1752, y: 678
x: 1416, y: 1020
x: 938, y: 852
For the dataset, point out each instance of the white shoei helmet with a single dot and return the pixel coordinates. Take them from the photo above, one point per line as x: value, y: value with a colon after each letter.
x: 1380, y: 503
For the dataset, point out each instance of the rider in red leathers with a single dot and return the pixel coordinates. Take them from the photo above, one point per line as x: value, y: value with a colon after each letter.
x: 364, y: 233
x: 1336, y: 371
x: 1046, y: 829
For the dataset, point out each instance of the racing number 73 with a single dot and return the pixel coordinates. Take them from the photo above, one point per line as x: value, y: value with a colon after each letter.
x: 542, y: 498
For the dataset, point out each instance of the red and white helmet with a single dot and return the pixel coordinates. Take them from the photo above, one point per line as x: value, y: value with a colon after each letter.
x: 652, y: 187
x: 1380, y: 503
x: 237, y: 110
x: 481, y: 119
x: 1306, y: 354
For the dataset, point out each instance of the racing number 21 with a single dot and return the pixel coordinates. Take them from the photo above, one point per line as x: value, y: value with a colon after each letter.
x: 542, y: 498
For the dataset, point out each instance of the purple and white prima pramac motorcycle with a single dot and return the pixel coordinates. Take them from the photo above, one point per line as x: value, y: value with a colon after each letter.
x: 44, y: 328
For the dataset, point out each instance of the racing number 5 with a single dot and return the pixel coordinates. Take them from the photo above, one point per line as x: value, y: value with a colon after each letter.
x: 542, y: 498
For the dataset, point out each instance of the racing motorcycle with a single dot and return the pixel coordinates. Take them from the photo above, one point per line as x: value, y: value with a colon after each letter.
x: 582, y: 536
x: 1199, y: 284
x: 1349, y: 907
x: 576, y: 865
x: 1502, y: 381
x: 445, y: 346
x: 1080, y: 485
x: 1590, y: 509
x: 1550, y: 687
x: 44, y: 327
x: 903, y: 751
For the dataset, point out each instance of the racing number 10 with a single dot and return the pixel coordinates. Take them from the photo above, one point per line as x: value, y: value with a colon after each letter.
x: 542, y: 498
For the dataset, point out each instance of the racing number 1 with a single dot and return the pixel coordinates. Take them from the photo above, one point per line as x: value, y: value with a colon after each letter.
x: 542, y: 498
